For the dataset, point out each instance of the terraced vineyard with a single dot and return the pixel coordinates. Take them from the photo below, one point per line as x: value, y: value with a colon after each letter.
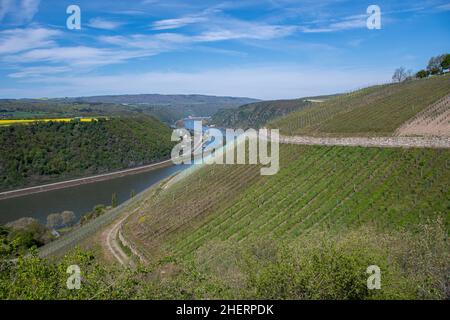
x: 374, y: 111
x: 333, y: 189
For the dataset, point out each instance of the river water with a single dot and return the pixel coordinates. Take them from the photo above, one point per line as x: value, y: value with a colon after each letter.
x: 81, y: 199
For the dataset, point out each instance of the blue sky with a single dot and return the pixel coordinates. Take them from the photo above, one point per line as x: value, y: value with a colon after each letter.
x: 263, y: 49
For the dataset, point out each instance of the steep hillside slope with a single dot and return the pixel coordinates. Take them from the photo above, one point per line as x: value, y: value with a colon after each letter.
x: 34, y: 154
x: 374, y: 111
x: 317, y: 188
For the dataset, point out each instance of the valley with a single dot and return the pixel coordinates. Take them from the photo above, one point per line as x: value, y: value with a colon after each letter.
x: 359, y: 192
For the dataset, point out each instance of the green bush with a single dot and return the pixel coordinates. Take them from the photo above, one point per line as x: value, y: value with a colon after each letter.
x: 414, y: 265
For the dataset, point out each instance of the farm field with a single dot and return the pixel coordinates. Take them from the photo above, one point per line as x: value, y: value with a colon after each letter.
x: 373, y: 111
x: 43, y: 120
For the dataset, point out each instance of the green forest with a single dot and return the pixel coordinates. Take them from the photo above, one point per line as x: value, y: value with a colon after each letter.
x: 47, y: 152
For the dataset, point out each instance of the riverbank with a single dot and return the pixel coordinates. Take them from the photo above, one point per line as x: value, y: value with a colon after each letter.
x: 80, y: 181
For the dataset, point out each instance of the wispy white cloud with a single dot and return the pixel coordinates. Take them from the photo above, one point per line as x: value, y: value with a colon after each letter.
x: 246, y: 31
x: 76, y: 57
x: 177, y: 23
x: 29, y: 8
x: 5, y: 7
x: 355, y: 42
x: 444, y: 7
x: 20, y: 11
x: 38, y: 71
x: 207, y: 16
x: 101, y: 23
x: 231, y: 30
x: 346, y: 23
x: 17, y: 40
x: 129, y: 12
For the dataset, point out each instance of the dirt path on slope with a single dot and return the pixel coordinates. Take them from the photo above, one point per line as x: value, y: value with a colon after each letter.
x: 110, y: 242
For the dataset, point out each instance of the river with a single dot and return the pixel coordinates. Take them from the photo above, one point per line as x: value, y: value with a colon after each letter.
x: 81, y: 199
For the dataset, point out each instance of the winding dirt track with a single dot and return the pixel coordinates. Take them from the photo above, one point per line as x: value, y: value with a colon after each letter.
x: 111, y: 240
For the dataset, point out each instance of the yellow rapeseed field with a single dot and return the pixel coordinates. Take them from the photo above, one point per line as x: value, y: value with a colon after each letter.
x: 28, y: 121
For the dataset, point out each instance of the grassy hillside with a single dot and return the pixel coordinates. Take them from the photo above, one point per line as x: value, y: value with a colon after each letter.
x: 45, y: 152
x: 371, y: 205
x: 317, y: 188
x: 374, y: 111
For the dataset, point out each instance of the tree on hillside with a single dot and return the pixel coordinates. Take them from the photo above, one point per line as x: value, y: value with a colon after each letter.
x: 421, y: 74
x: 400, y: 75
x: 445, y: 64
x: 434, y: 64
x: 409, y: 75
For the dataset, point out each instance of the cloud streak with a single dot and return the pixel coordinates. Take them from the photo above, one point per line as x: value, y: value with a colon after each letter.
x: 18, y: 40
x: 101, y: 23
x: 347, y: 23
x: 19, y: 12
x: 177, y: 23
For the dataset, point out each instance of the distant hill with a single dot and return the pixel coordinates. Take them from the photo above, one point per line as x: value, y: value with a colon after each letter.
x: 167, y: 108
x: 161, y: 99
x: 374, y: 111
x: 255, y: 115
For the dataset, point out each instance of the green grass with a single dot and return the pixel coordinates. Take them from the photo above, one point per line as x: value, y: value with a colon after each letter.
x: 374, y: 111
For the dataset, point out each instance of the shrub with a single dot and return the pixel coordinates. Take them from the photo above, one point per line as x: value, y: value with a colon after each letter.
x: 422, y: 74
